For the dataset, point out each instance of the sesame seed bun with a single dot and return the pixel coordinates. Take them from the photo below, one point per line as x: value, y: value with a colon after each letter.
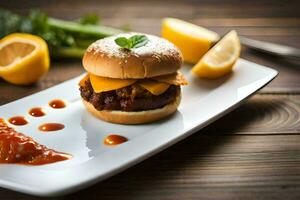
x: 158, y: 57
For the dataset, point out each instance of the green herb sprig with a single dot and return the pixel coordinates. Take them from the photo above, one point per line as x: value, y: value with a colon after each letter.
x: 135, y: 41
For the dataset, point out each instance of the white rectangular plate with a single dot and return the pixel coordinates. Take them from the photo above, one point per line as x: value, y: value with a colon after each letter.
x: 203, y: 101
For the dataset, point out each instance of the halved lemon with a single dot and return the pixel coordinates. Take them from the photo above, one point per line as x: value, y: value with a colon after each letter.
x: 192, y: 40
x: 219, y: 60
x: 24, y: 58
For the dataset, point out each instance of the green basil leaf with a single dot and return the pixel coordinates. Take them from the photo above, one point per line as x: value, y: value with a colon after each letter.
x: 135, y: 41
x: 123, y: 42
x: 138, y: 41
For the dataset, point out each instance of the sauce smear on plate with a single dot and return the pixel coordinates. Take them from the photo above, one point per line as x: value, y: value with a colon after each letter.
x: 37, y: 112
x: 51, y: 127
x: 17, y: 148
x: 57, y: 104
x: 115, y: 139
x: 18, y: 120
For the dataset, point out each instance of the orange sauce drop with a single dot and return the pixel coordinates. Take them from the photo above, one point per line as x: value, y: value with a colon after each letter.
x: 51, y: 127
x: 115, y: 140
x: 37, y: 112
x: 18, y: 120
x: 57, y: 104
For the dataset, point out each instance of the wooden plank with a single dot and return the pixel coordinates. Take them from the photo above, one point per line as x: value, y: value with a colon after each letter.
x: 147, y: 18
x: 288, y: 77
x: 261, y: 114
x: 245, y: 31
x: 216, y: 22
x: 183, y: 9
x: 208, y: 166
x: 153, y: 26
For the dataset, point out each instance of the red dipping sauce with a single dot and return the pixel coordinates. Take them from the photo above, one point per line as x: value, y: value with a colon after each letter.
x: 18, y: 121
x: 51, y: 127
x: 37, y: 112
x: 115, y: 140
x: 17, y: 148
x: 57, y: 104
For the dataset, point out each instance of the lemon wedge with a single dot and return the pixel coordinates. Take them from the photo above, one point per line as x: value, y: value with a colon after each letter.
x: 192, y: 40
x: 219, y: 60
x: 24, y: 58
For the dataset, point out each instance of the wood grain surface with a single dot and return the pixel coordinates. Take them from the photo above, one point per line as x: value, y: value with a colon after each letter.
x: 251, y: 153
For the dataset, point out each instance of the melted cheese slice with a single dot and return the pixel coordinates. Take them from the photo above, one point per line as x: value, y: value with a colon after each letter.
x: 173, y: 79
x: 82, y: 81
x: 155, y: 87
x: 103, y: 84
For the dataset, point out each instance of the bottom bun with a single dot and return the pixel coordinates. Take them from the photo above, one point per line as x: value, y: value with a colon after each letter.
x: 140, y: 117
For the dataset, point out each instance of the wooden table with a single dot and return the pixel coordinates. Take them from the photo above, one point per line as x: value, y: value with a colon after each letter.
x: 252, y: 153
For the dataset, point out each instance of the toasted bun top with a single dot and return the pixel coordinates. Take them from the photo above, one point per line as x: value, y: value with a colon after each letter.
x: 158, y: 57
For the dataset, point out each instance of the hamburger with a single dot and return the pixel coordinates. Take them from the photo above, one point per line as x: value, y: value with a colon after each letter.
x: 132, y: 78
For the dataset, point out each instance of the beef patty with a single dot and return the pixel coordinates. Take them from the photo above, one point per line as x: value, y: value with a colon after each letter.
x: 130, y: 98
